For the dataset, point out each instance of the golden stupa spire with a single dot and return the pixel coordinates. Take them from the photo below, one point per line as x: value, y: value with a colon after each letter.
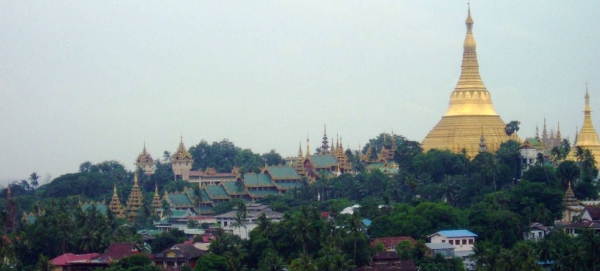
x: 300, y: 155
x: 587, y: 138
x: 470, y: 97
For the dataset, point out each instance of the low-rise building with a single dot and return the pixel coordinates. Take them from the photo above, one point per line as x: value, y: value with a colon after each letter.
x: 177, y: 256
x: 462, y: 240
x: 445, y: 250
x: 227, y: 221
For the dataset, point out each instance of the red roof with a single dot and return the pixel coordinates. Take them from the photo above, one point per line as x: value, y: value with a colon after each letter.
x: 69, y: 258
x: 388, y: 242
x: 118, y: 251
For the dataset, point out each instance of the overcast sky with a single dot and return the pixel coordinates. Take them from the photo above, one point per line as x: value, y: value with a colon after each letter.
x: 92, y: 81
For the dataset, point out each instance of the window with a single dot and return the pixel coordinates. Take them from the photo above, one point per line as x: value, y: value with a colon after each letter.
x: 470, y: 241
x: 451, y: 242
x: 225, y: 224
x: 443, y: 241
x: 464, y: 241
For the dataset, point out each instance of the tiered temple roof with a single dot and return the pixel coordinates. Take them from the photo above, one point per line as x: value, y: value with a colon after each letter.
x: 115, y: 206
x: 135, y: 200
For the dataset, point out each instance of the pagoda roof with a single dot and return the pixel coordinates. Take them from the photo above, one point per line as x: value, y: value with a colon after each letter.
x: 282, y: 173
x: 177, y: 199
x: 262, y: 193
x: 216, y: 191
x: 288, y: 185
x: 257, y: 180
x: 323, y: 161
x: 233, y: 188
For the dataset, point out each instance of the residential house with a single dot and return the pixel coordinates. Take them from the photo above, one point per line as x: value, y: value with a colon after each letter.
x: 536, y: 232
x: 174, y: 258
x: 74, y: 262
x: 388, y: 261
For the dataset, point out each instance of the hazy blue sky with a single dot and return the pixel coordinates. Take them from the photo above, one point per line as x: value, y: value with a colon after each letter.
x: 84, y: 80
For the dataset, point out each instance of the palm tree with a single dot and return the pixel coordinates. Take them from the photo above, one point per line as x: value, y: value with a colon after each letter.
x: 33, y: 179
x: 264, y: 226
x: 242, y: 213
x: 303, y: 263
x: 355, y: 228
x: 272, y: 262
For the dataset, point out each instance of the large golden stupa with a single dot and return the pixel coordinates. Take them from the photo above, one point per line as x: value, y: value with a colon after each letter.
x: 587, y: 137
x: 471, y: 115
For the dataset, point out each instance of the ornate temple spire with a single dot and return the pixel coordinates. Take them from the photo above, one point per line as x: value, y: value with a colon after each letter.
x: 325, y: 146
x: 544, y: 132
x: 115, y: 204
x: 482, y: 146
x: 135, y: 200
x: 570, y: 198
x: 145, y: 161
x: 470, y: 97
x: 558, y: 135
x: 156, y: 199
x: 299, y: 166
x: 307, y: 147
x: 537, y: 132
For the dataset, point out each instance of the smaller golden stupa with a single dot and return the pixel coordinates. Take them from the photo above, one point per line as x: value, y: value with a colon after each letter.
x: 587, y: 137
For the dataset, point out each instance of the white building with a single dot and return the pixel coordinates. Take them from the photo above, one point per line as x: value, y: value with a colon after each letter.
x: 254, y: 210
x: 462, y: 240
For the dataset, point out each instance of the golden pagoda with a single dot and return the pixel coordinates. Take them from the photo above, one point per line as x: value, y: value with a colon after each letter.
x: 587, y: 137
x: 135, y: 200
x: 115, y: 206
x: 470, y: 111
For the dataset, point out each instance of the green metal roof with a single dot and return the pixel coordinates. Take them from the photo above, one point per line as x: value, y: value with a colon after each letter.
x: 262, y: 193
x: 234, y: 188
x: 323, y: 161
x: 178, y: 213
x: 257, y: 180
x: 283, y: 173
x: 288, y: 185
x: 179, y: 199
x: 206, y: 209
x: 216, y: 191
x: 204, y: 196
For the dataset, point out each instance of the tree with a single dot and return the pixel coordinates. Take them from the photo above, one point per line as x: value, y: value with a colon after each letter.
x: 33, y: 179
x: 273, y: 158
x: 512, y: 127
x: 355, y: 229
x: 212, y: 262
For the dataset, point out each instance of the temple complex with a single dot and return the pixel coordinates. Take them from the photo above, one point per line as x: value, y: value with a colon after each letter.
x: 470, y: 114
x: 587, y: 137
